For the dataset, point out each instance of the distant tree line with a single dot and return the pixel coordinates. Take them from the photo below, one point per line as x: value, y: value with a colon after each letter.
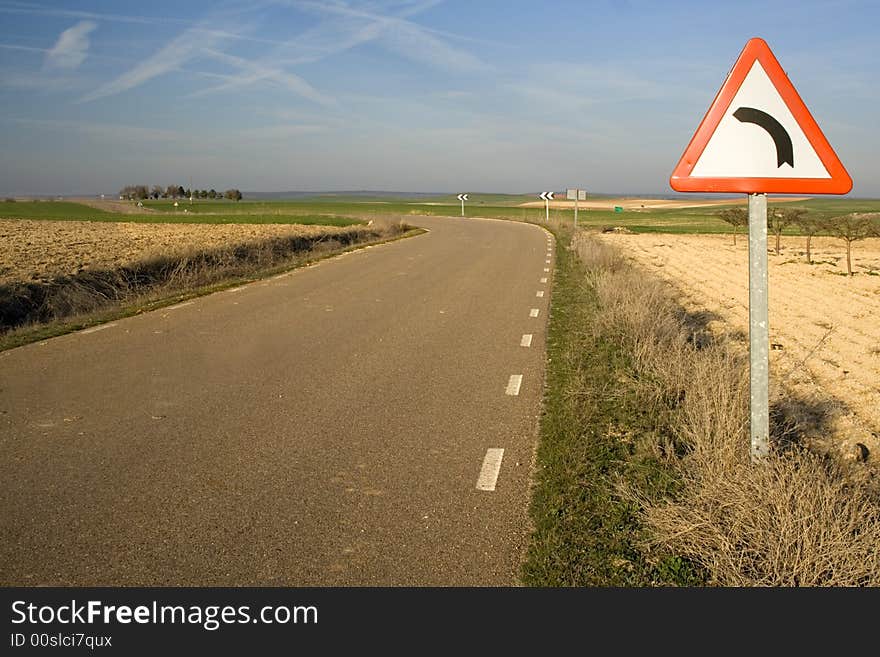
x: 143, y: 192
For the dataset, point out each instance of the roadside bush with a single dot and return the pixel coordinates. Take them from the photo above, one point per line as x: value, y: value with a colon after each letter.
x: 795, y: 519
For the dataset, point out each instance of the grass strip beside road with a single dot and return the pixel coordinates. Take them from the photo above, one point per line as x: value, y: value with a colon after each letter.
x: 594, y: 433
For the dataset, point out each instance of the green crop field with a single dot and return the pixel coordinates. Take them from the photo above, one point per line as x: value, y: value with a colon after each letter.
x: 347, y: 209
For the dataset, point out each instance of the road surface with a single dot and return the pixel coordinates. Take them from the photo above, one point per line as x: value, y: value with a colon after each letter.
x: 339, y: 425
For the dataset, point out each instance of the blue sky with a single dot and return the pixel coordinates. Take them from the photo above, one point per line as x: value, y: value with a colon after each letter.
x: 429, y: 96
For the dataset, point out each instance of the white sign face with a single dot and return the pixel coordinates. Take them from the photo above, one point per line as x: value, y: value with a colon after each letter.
x: 758, y: 137
x: 576, y: 194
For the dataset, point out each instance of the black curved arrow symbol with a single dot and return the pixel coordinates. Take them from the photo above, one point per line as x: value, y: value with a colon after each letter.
x: 784, y: 149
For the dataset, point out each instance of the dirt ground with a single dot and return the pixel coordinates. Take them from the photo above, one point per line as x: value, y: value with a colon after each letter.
x: 824, y: 329
x: 41, y: 250
x: 650, y: 203
x: 122, y: 207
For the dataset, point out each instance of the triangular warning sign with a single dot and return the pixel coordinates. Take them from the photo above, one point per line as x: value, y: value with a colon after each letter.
x: 758, y: 137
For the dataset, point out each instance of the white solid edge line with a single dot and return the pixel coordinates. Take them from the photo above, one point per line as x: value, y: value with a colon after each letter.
x: 534, y: 312
x: 491, y: 467
x: 235, y: 289
x: 180, y: 305
x: 539, y: 293
x: 95, y: 329
x: 526, y: 340
x: 513, y: 384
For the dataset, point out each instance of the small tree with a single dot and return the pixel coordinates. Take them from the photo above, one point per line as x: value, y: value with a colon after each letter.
x: 809, y: 226
x: 156, y: 192
x: 212, y: 193
x: 181, y: 192
x: 778, y: 219
x: 851, y: 228
x: 233, y: 194
x: 736, y: 217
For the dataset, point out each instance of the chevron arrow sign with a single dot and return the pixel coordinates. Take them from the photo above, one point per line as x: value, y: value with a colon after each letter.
x: 547, y: 196
x: 462, y: 197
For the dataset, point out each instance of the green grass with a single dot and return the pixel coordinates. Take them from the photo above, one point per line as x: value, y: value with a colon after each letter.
x: 55, y: 210
x: 342, y: 210
x: 584, y: 533
x: 209, y: 213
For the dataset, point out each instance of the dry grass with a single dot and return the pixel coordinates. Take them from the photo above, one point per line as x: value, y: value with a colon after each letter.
x: 796, y: 519
x: 29, y: 303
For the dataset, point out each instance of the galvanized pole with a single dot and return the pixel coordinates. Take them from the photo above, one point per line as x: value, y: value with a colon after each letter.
x: 577, y: 193
x: 462, y: 207
x: 759, y: 329
x: 547, y: 210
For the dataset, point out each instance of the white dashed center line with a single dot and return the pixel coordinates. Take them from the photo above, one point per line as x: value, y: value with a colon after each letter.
x: 491, y: 467
x: 526, y: 340
x: 534, y: 312
x: 514, y: 384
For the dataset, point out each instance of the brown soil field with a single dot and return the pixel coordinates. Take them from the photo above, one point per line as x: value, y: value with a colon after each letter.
x: 32, y: 250
x: 824, y: 330
x: 651, y: 203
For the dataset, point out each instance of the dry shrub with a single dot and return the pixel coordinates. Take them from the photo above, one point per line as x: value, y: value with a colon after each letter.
x: 791, y: 520
x: 794, y: 519
x: 27, y: 303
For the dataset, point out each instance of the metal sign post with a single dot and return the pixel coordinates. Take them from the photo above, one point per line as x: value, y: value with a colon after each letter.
x: 759, y: 137
x: 759, y: 329
x: 577, y: 195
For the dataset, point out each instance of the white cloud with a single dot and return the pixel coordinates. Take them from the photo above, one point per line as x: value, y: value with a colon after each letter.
x: 253, y: 72
x: 179, y: 50
x: 348, y: 26
x: 72, y: 46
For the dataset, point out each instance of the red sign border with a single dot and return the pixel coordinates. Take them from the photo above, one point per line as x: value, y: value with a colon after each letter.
x: 757, y: 49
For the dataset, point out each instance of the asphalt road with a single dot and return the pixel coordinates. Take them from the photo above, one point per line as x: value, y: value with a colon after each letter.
x: 326, y: 427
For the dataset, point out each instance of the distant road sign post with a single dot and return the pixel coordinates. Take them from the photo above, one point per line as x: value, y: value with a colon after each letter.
x: 759, y: 137
x: 462, y: 198
x: 576, y: 195
x: 547, y: 196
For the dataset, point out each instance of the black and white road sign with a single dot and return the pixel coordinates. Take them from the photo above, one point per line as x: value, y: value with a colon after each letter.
x: 546, y: 196
x: 462, y: 197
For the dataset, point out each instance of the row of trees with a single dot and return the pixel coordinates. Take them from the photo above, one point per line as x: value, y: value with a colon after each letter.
x: 143, y: 192
x: 847, y: 227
